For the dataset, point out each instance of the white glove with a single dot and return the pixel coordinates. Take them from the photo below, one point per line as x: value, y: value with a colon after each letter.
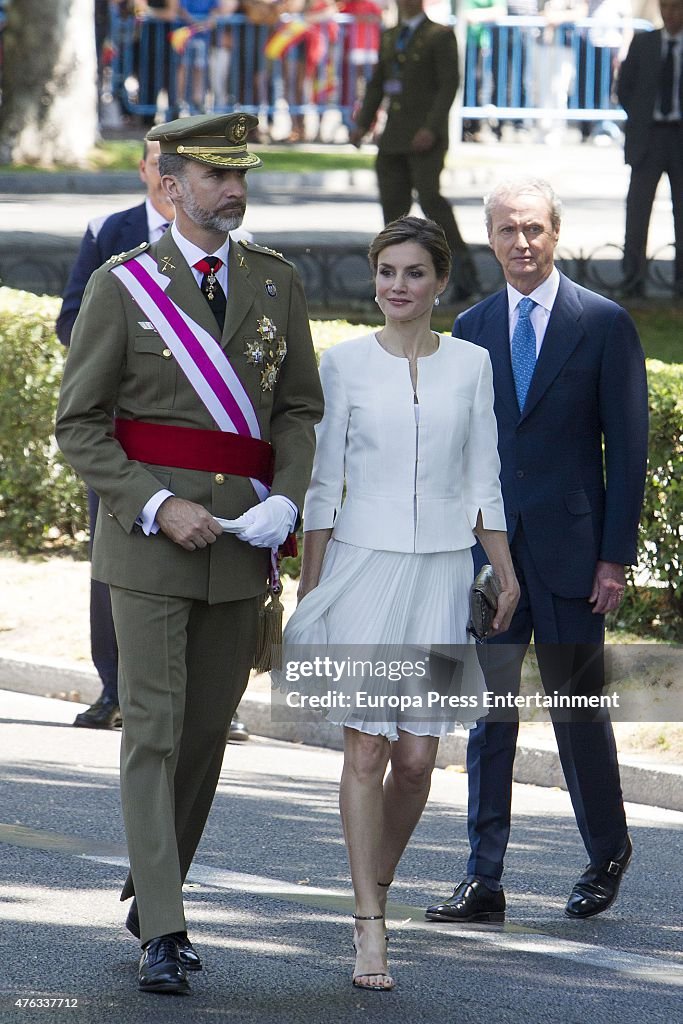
x: 267, y: 525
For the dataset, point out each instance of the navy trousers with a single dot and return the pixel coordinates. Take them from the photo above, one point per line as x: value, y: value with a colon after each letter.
x: 568, y: 639
x: 103, y: 646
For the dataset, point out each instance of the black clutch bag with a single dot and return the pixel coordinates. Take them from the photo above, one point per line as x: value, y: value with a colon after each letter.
x: 483, y: 603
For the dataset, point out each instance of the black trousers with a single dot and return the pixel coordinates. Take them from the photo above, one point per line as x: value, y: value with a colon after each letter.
x: 568, y: 638
x: 664, y: 155
x: 103, y: 648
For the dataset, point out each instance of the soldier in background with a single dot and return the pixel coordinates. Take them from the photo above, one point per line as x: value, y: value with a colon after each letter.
x: 416, y: 78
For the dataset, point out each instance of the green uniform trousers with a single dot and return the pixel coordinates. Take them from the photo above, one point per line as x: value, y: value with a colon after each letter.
x: 183, y: 667
x: 399, y: 173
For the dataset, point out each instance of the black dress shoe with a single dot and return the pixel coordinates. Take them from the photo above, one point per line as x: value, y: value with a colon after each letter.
x: 238, y: 732
x: 598, y: 887
x: 189, y: 957
x: 161, y: 969
x: 471, y: 901
x: 103, y: 714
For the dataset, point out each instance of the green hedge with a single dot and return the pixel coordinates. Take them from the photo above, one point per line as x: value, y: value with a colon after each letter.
x: 42, y: 503
x: 659, y: 607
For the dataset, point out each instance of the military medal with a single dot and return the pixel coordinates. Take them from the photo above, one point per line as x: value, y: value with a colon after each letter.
x: 254, y: 353
x: 268, y: 377
x: 211, y: 280
x: 271, y: 289
x: 281, y: 351
x: 266, y: 328
x: 268, y: 352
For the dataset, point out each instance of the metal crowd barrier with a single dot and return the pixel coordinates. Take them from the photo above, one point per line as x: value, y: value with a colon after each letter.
x: 515, y: 68
x: 239, y: 65
x: 521, y: 68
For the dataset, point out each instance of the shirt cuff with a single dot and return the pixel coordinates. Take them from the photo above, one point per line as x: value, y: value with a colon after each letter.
x: 147, y: 518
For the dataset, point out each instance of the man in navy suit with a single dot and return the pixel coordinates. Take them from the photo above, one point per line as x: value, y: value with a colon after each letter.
x: 105, y: 237
x: 569, y: 377
x: 650, y: 89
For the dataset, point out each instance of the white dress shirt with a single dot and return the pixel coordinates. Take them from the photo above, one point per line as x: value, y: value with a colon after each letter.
x: 193, y: 254
x: 156, y: 222
x: 544, y: 296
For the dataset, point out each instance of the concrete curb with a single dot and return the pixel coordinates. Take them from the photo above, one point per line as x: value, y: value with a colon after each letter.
x: 537, y: 765
x: 90, y: 183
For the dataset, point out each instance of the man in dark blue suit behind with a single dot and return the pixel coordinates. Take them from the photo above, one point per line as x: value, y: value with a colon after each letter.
x: 569, y: 377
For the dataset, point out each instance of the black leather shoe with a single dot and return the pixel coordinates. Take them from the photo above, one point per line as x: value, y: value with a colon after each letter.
x: 189, y: 957
x: 238, y: 732
x: 161, y: 969
x: 598, y: 887
x: 103, y: 714
x: 471, y: 901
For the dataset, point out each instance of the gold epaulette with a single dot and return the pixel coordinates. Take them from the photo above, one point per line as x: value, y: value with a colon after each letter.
x: 253, y: 247
x: 122, y: 257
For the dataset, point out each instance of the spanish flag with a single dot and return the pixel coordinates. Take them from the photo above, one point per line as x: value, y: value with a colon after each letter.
x: 284, y: 38
x: 180, y: 37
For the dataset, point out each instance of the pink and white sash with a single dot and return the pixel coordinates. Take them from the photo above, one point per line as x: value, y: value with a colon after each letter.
x: 199, y: 355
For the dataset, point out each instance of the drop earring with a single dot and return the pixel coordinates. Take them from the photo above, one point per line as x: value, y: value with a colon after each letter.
x: 437, y: 301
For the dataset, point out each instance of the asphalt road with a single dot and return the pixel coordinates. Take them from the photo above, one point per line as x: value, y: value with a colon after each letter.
x: 268, y: 902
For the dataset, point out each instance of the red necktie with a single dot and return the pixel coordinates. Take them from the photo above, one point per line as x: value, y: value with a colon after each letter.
x: 214, y: 294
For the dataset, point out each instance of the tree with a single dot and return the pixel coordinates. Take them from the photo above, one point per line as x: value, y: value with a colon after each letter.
x: 49, y: 90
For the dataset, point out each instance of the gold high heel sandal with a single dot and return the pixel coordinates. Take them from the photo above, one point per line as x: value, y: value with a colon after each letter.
x: 383, y: 981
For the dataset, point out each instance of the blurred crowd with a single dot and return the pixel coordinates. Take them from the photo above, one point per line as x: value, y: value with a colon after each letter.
x: 525, y: 63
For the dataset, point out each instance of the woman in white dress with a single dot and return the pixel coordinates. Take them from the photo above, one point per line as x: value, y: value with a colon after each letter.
x: 409, y: 429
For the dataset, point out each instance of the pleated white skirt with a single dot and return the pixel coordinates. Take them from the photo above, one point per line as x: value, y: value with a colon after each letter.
x: 386, y: 599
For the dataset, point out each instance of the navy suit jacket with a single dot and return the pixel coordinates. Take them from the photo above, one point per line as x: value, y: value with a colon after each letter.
x: 589, y: 387
x: 117, y: 233
x: 637, y: 89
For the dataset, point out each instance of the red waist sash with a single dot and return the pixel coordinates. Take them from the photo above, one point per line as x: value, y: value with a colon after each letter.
x: 213, y: 451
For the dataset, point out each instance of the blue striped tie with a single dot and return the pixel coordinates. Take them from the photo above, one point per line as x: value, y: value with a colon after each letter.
x: 523, y: 350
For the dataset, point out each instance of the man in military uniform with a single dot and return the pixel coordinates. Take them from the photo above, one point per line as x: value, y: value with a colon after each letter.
x: 104, y: 237
x: 416, y: 77
x: 190, y: 392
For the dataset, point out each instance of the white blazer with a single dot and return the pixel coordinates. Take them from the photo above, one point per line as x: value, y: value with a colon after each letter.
x: 417, y: 474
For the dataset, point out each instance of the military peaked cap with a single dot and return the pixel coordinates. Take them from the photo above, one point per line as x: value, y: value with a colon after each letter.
x: 219, y: 140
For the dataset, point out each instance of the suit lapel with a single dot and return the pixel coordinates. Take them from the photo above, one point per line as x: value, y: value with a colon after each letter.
x: 241, y: 292
x: 134, y: 228
x: 562, y: 335
x: 416, y: 36
x: 496, y: 329
x: 185, y: 292
x: 183, y: 288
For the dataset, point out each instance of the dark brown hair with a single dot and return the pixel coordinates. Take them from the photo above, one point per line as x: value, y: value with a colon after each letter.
x: 414, y: 229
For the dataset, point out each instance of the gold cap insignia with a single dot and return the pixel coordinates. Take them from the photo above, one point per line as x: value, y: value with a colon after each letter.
x: 238, y: 130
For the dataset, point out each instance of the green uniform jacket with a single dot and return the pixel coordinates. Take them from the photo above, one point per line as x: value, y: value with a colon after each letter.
x: 429, y: 77
x: 118, y: 366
